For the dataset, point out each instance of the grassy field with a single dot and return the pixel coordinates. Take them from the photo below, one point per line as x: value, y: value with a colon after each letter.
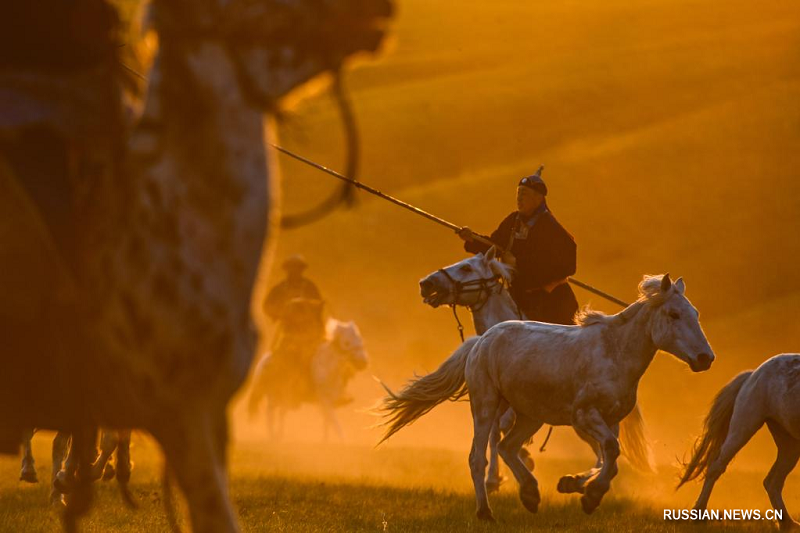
x: 306, y: 487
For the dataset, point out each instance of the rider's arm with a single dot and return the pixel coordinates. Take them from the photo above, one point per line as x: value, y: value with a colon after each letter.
x: 500, y: 236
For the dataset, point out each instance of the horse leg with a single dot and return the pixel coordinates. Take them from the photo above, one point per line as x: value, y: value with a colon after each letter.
x: 28, y: 470
x: 575, y: 483
x: 81, y: 454
x: 60, y: 446
x: 591, y: 421
x: 484, y: 411
x: 788, y: 455
x: 506, y: 423
x: 494, y: 479
x: 124, y: 466
x: 742, y: 427
x: 108, y: 443
x: 510, y: 446
x: 65, y: 479
x: 195, y: 449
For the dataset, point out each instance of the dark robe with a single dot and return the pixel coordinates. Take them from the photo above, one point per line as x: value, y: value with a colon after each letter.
x: 545, y: 255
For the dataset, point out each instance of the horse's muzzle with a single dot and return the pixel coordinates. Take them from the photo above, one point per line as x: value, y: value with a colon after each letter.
x: 432, y: 294
x: 702, y: 362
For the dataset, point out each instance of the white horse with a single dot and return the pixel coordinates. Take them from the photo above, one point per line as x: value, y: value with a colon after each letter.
x: 333, y: 366
x: 334, y: 362
x: 480, y: 283
x: 768, y: 395
x: 583, y: 376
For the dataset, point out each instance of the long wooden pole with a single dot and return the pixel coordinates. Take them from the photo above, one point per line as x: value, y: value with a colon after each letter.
x: 429, y: 216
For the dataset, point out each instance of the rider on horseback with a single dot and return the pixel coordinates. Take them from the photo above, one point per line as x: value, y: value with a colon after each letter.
x: 295, y: 304
x: 545, y: 255
x: 294, y: 286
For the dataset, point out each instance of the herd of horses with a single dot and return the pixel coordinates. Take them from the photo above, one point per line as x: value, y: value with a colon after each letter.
x: 147, y: 323
x: 521, y: 375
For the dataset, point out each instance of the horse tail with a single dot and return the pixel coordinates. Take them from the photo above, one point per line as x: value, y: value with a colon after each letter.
x: 715, y: 430
x: 634, y: 443
x: 424, y: 393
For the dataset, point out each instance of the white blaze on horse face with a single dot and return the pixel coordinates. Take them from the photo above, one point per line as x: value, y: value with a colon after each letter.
x: 677, y: 330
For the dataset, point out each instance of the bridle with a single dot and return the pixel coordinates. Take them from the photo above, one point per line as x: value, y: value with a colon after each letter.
x: 485, y: 287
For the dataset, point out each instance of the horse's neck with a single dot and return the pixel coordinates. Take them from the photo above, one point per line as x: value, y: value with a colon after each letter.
x: 499, y: 307
x: 196, y: 206
x: 632, y: 342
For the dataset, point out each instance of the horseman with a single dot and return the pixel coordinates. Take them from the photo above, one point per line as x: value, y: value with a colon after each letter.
x: 295, y: 304
x: 544, y: 252
x: 294, y: 286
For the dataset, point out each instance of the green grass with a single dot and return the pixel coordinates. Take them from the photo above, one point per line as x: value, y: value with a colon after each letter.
x: 314, y: 488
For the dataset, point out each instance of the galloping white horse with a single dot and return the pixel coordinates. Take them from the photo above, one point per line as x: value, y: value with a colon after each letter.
x: 479, y: 283
x: 334, y: 363
x: 768, y: 395
x: 583, y: 376
x: 333, y: 366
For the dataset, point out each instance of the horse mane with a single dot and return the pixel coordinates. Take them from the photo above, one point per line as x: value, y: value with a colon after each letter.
x: 649, y: 294
x: 506, y: 271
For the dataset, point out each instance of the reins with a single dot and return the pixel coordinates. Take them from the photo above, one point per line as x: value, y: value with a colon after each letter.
x: 483, y: 286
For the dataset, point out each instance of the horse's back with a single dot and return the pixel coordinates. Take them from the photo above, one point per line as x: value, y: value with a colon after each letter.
x: 531, y: 340
x: 526, y: 349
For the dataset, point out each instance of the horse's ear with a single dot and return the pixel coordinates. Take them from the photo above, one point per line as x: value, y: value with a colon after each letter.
x: 666, y: 283
x: 491, y: 253
x: 680, y: 286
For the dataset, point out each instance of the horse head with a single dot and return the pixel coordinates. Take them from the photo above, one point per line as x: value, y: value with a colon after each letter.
x: 675, y: 326
x: 346, y: 338
x: 277, y: 45
x: 467, y: 282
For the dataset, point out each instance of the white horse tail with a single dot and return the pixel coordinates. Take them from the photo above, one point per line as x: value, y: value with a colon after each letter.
x: 424, y: 393
x: 633, y: 441
x: 715, y: 430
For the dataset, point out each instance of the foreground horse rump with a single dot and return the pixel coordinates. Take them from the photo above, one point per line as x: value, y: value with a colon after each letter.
x: 767, y: 395
x: 146, y: 322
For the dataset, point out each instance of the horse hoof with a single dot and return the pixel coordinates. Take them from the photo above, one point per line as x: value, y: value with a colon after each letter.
x: 485, y: 515
x: 569, y: 485
x: 57, y: 499
x: 63, y: 483
x: 591, y: 499
x: 109, y: 472
x: 530, y: 498
x: 589, y: 504
x: 28, y: 475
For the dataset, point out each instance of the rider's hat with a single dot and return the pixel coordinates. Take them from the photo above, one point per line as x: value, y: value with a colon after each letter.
x: 535, y: 182
x: 295, y: 262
